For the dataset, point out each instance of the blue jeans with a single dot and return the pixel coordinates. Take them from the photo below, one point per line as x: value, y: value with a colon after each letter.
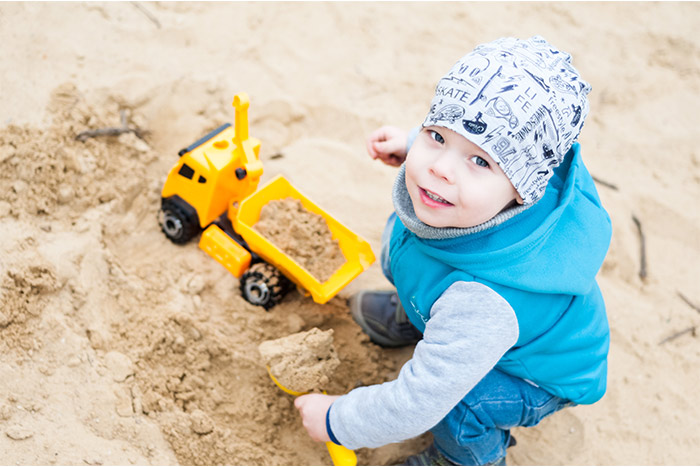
x: 477, y: 430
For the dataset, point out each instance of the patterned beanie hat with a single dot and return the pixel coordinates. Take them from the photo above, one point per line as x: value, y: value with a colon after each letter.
x: 521, y: 101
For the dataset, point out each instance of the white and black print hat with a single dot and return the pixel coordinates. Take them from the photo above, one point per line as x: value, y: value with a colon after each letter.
x: 521, y: 101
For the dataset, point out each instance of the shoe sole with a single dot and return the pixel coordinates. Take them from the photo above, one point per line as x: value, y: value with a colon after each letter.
x: 355, y: 304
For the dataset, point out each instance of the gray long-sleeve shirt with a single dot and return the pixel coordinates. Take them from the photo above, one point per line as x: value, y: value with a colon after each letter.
x: 469, y: 330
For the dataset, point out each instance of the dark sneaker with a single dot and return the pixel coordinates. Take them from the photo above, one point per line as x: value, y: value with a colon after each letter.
x: 381, y: 316
x: 431, y: 456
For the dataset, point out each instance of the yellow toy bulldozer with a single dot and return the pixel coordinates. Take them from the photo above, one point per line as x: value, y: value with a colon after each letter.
x: 213, y: 189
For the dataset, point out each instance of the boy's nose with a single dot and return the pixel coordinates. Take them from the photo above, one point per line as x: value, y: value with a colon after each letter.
x: 443, y: 168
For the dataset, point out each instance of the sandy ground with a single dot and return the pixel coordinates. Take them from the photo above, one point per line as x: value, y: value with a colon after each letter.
x: 118, y: 347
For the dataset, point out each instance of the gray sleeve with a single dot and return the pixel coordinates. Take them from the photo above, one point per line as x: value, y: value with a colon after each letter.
x: 469, y: 330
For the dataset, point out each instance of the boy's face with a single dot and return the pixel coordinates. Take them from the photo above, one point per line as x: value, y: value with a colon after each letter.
x: 453, y: 182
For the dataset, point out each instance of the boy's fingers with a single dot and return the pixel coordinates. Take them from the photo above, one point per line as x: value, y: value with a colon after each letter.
x: 372, y: 143
x: 370, y: 149
x: 379, y: 134
x: 389, y: 153
x: 385, y: 147
x: 387, y: 144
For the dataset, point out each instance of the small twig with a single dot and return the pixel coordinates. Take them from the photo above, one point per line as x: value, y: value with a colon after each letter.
x: 691, y: 330
x: 110, y: 131
x: 102, y: 132
x: 643, y: 254
x: 691, y: 304
x: 148, y: 14
x: 604, y: 183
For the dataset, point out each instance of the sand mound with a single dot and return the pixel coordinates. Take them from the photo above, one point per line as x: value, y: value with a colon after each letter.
x: 156, y: 335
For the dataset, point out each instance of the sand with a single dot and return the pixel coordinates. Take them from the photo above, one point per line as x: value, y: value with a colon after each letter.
x: 302, y: 235
x: 301, y: 362
x: 118, y: 347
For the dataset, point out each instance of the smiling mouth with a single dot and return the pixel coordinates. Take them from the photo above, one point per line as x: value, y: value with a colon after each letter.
x: 433, y: 197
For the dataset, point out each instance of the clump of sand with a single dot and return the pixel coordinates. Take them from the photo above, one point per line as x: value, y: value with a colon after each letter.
x: 302, y: 362
x: 302, y: 235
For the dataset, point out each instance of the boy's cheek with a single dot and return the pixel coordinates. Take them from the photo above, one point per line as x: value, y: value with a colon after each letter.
x: 411, y: 187
x: 413, y: 169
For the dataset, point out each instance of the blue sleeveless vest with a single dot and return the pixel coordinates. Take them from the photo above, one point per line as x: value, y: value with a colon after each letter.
x: 543, y: 261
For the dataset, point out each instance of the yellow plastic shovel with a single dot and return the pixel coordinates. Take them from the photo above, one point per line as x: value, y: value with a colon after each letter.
x: 340, y: 455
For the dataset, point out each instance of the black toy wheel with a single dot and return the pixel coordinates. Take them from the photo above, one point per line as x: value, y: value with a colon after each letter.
x: 176, y: 222
x: 264, y: 285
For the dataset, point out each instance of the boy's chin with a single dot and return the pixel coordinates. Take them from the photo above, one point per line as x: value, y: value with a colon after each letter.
x: 443, y: 223
x: 431, y: 221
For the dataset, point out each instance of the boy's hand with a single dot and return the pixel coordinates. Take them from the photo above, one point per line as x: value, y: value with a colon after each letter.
x: 313, y: 408
x: 388, y: 144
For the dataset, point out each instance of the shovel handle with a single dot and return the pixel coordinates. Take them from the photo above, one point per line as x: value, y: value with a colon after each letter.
x: 340, y: 454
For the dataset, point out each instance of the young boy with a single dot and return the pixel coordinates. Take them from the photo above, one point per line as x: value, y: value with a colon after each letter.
x: 494, y: 247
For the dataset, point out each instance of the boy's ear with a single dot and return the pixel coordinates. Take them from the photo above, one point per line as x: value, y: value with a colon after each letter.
x: 518, y: 198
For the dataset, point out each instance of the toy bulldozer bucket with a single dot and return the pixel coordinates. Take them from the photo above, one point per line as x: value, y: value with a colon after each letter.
x: 357, y: 252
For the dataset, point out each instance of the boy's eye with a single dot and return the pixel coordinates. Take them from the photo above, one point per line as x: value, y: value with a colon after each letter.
x: 480, y: 161
x: 436, y: 136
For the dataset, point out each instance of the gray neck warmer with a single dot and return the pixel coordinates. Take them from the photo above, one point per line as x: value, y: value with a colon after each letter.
x: 404, y: 210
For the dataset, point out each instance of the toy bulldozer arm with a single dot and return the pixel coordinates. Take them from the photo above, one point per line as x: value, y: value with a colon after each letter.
x: 241, y: 102
x: 250, y: 147
x: 220, y: 246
